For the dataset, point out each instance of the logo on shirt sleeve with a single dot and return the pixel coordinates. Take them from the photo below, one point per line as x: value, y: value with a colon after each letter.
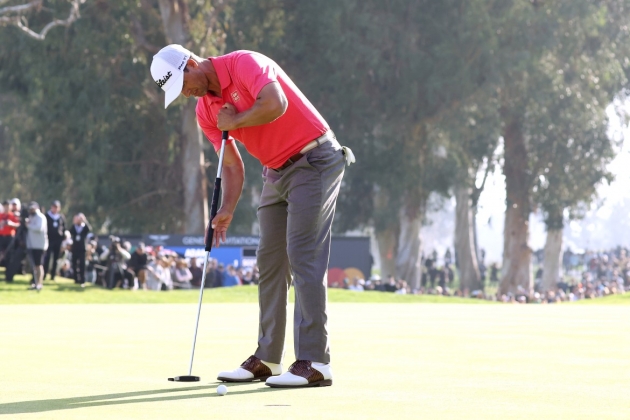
x: 235, y: 96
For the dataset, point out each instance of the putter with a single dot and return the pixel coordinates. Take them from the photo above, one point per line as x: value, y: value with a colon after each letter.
x: 209, y: 235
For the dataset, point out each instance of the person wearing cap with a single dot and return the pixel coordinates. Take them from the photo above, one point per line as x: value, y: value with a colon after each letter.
x: 249, y: 95
x: 56, y: 235
x: 36, y: 243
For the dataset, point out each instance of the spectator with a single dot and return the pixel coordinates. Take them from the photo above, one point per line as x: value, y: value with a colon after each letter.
x: 56, y: 234
x: 65, y: 270
x: 9, y: 222
x: 390, y: 286
x: 401, y: 288
x: 79, y: 232
x: 248, y: 278
x: 197, y: 273
x: 229, y: 278
x: 357, y: 285
x: 93, y: 262
x: 117, y: 257
x: 183, y: 276
x: 138, y: 265
x: 218, y: 274
x: 159, y: 277
x: 36, y: 243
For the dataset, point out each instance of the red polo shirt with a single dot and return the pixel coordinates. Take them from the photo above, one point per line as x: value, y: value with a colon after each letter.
x: 242, y: 74
x: 6, y: 229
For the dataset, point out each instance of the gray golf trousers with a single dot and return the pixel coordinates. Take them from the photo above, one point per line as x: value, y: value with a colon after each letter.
x: 296, y: 211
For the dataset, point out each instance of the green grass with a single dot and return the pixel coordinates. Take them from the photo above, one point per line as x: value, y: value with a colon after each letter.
x: 65, y: 362
x: 65, y: 291
x: 608, y: 300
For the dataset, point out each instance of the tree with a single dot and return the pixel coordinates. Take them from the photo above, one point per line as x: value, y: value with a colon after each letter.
x: 473, y: 131
x: 16, y: 15
x: 536, y: 41
x: 380, y: 91
x: 86, y: 125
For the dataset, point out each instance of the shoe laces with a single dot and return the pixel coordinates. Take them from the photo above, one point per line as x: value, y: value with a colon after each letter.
x: 300, y: 366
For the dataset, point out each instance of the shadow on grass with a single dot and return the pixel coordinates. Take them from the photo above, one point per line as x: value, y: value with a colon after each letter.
x: 40, y: 406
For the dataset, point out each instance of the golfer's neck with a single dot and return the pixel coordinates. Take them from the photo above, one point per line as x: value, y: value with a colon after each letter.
x: 214, y: 86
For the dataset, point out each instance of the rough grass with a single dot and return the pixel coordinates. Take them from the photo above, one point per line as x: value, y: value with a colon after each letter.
x: 65, y: 291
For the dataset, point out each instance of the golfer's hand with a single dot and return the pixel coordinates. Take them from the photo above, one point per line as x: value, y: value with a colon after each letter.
x: 225, y: 117
x: 220, y: 224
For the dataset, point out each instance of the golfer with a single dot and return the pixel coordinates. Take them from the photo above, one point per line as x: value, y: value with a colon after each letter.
x: 250, y: 96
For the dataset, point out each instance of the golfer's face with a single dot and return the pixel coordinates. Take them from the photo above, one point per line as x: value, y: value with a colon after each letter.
x: 195, y: 83
x: 54, y: 209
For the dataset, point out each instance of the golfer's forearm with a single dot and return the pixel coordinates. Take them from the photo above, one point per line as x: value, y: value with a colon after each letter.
x: 271, y: 104
x: 258, y: 114
x: 232, y: 180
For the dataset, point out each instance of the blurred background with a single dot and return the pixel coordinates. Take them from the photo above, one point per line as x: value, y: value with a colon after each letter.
x: 489, y: 134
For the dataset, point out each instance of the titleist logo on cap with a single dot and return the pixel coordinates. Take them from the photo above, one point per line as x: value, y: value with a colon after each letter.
x: 161, y: 82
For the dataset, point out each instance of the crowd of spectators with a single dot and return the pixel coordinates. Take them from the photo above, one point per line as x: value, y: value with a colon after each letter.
x: 54, y: 247
x: 75, y: 252
x: 586, y: 275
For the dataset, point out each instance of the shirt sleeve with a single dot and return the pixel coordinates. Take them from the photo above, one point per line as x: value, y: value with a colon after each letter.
x: 254, y: 72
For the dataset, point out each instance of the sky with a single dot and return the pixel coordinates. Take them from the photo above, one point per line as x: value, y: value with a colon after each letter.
x: 605, y: 226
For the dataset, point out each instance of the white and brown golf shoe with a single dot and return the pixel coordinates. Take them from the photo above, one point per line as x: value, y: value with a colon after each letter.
x: 252, y: 369
x: 302, y: 374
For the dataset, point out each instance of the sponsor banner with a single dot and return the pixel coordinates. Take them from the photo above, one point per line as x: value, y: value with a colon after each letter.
x: 197, y: 241
x: 346, y: 252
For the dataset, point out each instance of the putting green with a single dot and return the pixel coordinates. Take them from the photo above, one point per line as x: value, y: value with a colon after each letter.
x: 389, y: 360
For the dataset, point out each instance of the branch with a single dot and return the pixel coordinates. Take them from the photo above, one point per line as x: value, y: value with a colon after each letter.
x: 20, y: 9
x: 19, y: 20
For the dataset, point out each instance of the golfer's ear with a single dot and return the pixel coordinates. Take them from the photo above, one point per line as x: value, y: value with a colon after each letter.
x: 191, y: 63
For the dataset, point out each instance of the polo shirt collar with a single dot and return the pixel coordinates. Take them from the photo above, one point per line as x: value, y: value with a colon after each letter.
x: 222, y: 73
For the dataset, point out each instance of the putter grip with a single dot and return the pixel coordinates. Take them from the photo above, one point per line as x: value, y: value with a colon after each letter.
x: 213, y: 212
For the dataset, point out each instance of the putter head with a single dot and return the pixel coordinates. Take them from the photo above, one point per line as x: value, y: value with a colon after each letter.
x: 185, y: 378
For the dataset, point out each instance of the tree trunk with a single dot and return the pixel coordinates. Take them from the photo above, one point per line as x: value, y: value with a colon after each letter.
x: 387, y: 241
x: 175, y: 17
x: 516, y: 271
x: 408, y: 260
x: 193, y: 173
x: 470, y: 278
x: 552, y: 259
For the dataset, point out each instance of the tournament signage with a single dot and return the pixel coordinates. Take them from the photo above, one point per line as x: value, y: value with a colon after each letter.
x: 197, y: 241
x: 349, y: 255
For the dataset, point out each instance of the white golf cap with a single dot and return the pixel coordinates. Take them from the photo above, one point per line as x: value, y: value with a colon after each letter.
x: 167, y: 70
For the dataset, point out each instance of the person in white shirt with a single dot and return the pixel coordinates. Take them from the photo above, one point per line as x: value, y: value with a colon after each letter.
x: 36, y: 243
x: 183, y: 276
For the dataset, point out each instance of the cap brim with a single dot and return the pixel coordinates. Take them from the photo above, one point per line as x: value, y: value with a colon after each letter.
x: 174, y: 91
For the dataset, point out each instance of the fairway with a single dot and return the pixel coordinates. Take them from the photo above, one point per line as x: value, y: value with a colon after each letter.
x: 389, y: 361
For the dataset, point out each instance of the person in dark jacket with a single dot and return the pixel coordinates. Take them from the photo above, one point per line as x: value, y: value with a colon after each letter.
x: 79, y: 231
x: 56, y: 228
x: 138, y: 265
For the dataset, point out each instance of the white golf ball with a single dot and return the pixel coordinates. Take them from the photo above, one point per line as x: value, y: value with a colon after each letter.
x: 222, y: 390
